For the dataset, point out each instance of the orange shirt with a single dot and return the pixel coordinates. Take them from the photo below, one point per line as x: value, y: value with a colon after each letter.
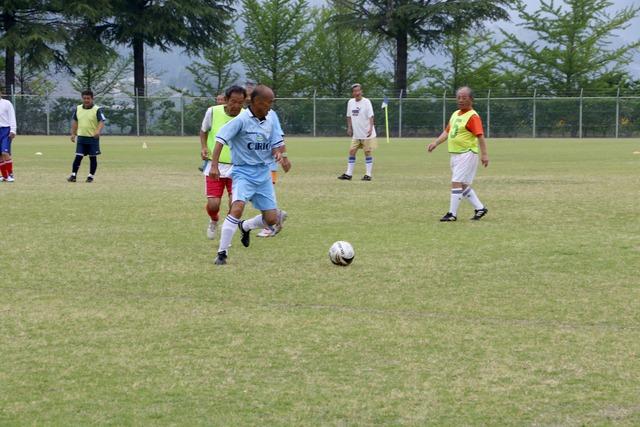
x: 474, y: 125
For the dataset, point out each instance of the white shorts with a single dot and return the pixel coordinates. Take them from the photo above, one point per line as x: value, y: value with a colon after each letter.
x: 464, y: 167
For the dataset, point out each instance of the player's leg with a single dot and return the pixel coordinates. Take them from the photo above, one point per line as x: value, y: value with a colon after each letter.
x: 351, y: 161
x: 81, y: 151
x: 264, y: 199
x: 213, y: 191
x: 94, y: 152
x: 468, y: 193
x: 4, y: 166
x: 268, y: 231
x: 229, y: 227
x: 5, y: 156
x: 456, y: 188
x: 369, y: 146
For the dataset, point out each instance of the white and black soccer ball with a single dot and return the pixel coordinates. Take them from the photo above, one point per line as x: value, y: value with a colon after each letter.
x: 341, y: 253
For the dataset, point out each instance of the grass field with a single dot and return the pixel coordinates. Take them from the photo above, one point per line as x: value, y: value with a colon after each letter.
x: 112, y: 312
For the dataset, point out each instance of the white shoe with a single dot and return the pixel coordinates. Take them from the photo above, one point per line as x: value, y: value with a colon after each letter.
x: 1, y: 178
x: 10, y: 178
x: 266, y: 232
x: 211, y: 229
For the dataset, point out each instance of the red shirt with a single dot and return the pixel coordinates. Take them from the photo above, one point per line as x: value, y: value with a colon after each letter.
x: 474, y: 125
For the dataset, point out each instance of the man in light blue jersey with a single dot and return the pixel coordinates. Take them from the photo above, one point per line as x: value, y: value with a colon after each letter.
x: 255, y: 142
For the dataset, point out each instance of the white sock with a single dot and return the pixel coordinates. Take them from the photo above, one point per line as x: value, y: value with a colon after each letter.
x: 471, y: 196
x: 253, y: 223
x: 368, y: 161
x: 229, y: 227
x: 350, y: 165
x: 456, y: 198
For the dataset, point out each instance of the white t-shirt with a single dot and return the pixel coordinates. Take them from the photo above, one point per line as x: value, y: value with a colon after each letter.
x: 360, y: 113
x: 7, y: 115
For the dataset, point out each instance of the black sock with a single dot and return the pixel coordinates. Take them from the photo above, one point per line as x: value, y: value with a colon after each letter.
x: 76, y: 164
x: 93, y: 164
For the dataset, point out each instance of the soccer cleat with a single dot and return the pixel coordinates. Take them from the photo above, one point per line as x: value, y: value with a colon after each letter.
x: 265, y: 232
x: 10, y: 178
x: 479, y: 213
x: 89, y: 179
x: 221, y: 259
x: 211, y: 229
x: 366, y: 178
x: 246, y: 235
x: 346, y: 177
x: 1, y: 178
x: 72, y: 178
x: 448, y: 217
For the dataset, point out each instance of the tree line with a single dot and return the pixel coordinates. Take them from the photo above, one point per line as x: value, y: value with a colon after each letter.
x: 297, y: 49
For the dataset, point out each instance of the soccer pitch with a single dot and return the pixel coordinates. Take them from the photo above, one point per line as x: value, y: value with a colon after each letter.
x: 112, y: 312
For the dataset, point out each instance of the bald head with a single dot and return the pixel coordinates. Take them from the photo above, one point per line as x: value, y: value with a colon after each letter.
x: 261, y: 100
x: 465, y: 90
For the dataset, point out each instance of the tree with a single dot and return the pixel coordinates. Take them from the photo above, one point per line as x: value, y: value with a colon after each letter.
x: 191, y: 25
x: 274, y: 37
x: 336, y: 58
x: 570, y: 48
x: 33, y: 31
x: 422, y: 23
x: 100, y: 74
x: 472, y: 59
x: 216, y: 73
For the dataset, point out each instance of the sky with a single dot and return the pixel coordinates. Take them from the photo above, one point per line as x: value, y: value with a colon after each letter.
x: 170, y: 66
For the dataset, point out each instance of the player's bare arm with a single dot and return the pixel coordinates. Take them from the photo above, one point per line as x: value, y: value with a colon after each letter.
x: 74, y: 130
x: 99, y: 129
x: 281, y: 156
x: 371, y: 125
x: 204, y: 150
x: 439, y: 140
x: 484, y: 156
x: 349, y: 129
x: 214, y: 173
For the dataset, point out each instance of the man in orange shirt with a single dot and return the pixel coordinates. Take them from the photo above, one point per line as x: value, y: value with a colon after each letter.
x: 464, y: 135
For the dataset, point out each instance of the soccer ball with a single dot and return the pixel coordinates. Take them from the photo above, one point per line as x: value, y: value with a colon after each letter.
x: 341, y: 253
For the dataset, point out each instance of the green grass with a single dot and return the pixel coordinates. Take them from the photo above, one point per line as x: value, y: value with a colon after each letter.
x: 112, y: 312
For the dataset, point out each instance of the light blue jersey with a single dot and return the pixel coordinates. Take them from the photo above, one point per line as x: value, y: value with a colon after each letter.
x: 251, y: 141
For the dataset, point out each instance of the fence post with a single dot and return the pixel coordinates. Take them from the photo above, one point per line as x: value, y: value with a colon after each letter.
x: 314, y: 113
x: 580, y: 118
x: 444, y: 109
x: 400, y: 115
x: 48, y: 112
x: 137, y: 114
x: 617, y: 112
x: 181, y: 115
x: 489, y: 114
x: 535, y: 91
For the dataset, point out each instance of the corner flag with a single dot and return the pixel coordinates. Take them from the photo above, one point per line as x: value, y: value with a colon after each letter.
x: 385, y: 105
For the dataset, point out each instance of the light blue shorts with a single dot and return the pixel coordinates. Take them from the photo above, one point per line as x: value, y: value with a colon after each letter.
x: 253, y: 183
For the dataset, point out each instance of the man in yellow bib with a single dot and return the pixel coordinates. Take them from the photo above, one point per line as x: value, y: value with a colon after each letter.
x: 88, y: 122
x: 464, y: 135
x: 216, y: 117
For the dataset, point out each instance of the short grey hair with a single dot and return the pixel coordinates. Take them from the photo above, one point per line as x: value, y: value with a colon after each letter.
x: 355, y: 85
x: 468, y: 89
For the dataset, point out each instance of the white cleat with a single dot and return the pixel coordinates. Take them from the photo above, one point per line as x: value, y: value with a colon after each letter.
x: 211, y: 229
x: 1, y: 178
x: 10, y: 178
x: 266, y: 232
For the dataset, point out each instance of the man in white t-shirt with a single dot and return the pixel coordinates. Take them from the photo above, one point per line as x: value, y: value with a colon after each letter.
x: 361, y: 129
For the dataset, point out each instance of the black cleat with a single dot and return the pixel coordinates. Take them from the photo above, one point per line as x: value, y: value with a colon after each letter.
x: 448, y: 217
x: 246, y: 236
x: 72, y: 178
x: 480, y: 213
x: 89, y: 179
x: 221, y: 259
x: 345, y: 177
x: 366, y: 178
x: 200, y: 168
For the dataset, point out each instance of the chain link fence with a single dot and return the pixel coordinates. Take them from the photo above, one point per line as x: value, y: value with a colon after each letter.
x: 532, y: 116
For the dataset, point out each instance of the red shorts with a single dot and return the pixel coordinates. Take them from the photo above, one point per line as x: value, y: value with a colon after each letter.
x: 215, y: 189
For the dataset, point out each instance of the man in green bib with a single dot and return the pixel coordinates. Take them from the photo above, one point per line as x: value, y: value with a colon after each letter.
x: 464, y: 135
x: 216, y: 117
x: 88, y: 122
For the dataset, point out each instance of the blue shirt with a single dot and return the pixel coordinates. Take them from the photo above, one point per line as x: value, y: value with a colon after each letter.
x: 251, y: 139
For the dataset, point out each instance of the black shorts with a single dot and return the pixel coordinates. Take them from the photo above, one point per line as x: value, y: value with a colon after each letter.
x: 87, y: 146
